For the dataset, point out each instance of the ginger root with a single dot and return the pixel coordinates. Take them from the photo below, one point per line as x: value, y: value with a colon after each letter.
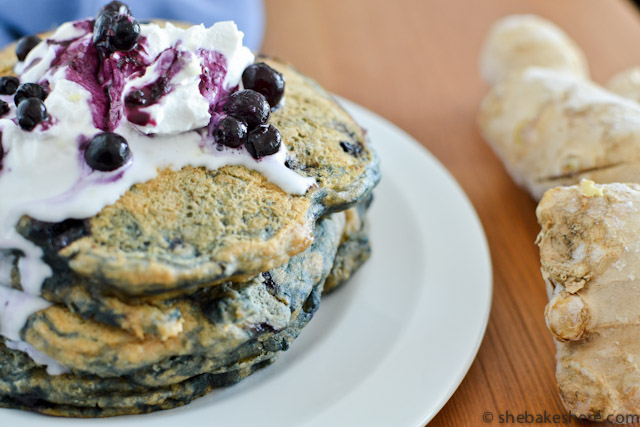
x: 552, y: 126
x: 548, y: 123
x: 590, y: 256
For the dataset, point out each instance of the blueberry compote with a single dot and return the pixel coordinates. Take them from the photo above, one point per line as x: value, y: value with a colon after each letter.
x: 105, y: 63
x: 168, y: 64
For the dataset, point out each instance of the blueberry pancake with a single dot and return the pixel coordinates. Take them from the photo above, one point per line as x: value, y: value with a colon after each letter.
x: 215, y: 321
x: 174, y: 381
x: 173, y: 210
x: 157, y: 316
x: 171, y: 381
x: 147, y: 242
x: 32, y: 390
x: 354, y: 249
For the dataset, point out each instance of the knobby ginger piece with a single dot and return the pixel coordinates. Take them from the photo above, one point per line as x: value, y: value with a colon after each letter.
x: 548, y: 123
x: 590, y: 256
x: 521, y: 41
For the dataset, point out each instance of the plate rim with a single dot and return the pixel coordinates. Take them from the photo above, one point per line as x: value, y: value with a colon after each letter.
x: 482, y: 245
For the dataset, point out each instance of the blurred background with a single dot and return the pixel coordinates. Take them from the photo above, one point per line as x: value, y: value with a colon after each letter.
x: 23, y: 18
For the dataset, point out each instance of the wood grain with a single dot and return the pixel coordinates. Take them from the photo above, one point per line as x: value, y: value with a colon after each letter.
x: 415, y: 63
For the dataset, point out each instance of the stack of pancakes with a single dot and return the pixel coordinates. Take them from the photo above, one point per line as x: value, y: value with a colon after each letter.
x: 197, y: 278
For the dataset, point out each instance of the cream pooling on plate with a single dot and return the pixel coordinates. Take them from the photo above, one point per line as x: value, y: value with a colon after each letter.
x: 43, y: 173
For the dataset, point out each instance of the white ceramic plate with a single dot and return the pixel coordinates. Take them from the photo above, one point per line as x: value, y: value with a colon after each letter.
x: 388, y: 349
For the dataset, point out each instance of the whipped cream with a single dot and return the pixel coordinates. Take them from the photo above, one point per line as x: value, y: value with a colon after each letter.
x: 43, y: 173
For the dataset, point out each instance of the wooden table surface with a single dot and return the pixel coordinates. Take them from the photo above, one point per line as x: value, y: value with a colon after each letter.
x: 415, y: 63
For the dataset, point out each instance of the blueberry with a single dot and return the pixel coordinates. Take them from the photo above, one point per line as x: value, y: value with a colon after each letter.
x: 30, y: 90
x: 107, y: 151
x: 116, y: 32
x: 263, y: 141
x: 248, y: 106
x: 353, y: 149
x: 103, y: 30
x: 9, y: 85
x: 115, y: 7
x: 231, y: 132
x: 57, y: 235
x: 292, y: 164
x: 4, y: 108
x: 126, y: 34
x: 265, y: 80
x: 269, y: 283
x: 31, y: 111
x: 25, y: 45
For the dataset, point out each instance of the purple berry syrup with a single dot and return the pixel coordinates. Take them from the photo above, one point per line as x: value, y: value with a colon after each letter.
x: 104, y: 77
